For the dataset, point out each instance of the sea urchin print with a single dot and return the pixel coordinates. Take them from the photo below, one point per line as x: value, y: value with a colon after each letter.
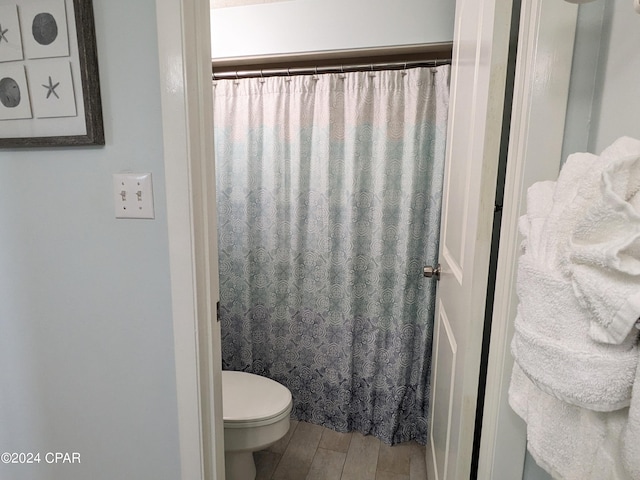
x: 9, y: 92
x: 44, y: 28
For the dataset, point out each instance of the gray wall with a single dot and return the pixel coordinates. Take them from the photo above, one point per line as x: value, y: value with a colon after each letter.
x: 603, y: 102
x: 532, y: 471
x: 303, y: 26
x: 86, y: 339
x: 616, y: 109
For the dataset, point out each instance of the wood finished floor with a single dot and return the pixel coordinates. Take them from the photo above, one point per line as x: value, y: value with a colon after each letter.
x: 311, y: 452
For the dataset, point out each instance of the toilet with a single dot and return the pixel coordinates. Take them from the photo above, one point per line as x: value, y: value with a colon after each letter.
x: 256, y: 412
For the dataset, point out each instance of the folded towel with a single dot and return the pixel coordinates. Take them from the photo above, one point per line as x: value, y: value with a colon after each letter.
x: 569, y: 442
x: 604, y: 259
x: 553, y: 348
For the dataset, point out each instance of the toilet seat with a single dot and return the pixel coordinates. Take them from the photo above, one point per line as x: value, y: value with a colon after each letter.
x: 250, y: 400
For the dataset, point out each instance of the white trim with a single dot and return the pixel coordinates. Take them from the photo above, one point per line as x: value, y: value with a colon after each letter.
x: 545, y: 52
x: 185, y: 75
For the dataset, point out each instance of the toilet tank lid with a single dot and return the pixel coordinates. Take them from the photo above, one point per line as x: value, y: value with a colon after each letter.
x: 246, y: 396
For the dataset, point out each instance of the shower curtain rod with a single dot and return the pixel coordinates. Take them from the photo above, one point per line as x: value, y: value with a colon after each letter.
x: 281, y: 72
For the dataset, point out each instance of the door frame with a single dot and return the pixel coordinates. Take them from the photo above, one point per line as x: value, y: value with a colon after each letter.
x: 184, y: 49
x: 541, y: 90
x: 184, y: 53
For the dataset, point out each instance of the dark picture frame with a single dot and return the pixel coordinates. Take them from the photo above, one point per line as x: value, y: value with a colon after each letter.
x: 83, y: 62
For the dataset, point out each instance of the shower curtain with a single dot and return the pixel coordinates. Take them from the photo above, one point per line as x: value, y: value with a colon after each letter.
x: 329, y: 195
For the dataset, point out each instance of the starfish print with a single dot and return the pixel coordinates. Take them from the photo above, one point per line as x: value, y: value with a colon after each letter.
x: 51, y: 88
x: 2, y: 34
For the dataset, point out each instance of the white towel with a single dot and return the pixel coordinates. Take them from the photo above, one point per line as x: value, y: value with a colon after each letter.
x: 569, y: 442
x: 575, y: 347
x: 561, y: 282
x: 604, y: 259
x: 553, y: 347
x: 539, y: 203
x: 575, y: 189
x: 631, y: 434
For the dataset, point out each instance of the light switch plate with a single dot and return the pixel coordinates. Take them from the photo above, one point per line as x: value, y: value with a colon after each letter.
x: 133, y: 195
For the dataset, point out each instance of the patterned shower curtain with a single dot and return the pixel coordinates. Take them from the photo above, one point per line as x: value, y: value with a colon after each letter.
x: 329, y: 198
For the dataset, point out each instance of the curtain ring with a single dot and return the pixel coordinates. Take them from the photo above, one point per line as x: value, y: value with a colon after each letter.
x: 261, y: 76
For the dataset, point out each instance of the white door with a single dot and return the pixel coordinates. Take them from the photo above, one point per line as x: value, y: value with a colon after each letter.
x: 481, y: 38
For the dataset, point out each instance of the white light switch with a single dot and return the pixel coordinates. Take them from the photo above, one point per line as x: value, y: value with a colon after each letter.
x: 133, y: 195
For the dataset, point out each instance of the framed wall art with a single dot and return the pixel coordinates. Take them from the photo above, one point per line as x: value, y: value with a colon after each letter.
x: 49, y: 85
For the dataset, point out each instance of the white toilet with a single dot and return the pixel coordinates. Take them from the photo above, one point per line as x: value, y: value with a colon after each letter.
x: 256, y: 412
